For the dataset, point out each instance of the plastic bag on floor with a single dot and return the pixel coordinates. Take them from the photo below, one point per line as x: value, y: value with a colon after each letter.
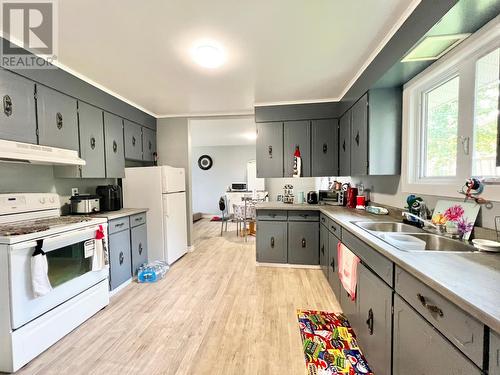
x: 152, y: 272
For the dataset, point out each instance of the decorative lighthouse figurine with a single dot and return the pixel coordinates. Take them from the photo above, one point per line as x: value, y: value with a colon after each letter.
x: 297, y: 163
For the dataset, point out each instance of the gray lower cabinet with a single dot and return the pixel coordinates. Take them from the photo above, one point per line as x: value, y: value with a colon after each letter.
x: 323, y: 249
x: 148, y: 144
x: 297, y: 134
x: 139, y: 246
x: 359, y: 137
x: 333, y: 266
x: 57, y: 119
x: 349, y: 307
x: 303, y: 242
x: 269, y: 149
x: 119, y: 258
x: 17, y: 116
x: 420, y: 349
x: 375, y: 317
x: 271, y: 243
x: 345, y: 144
x: 494, y: 353
x: 91, y: 140
x: 132, y: 135
x: 113, y: 146
x: 325, y: 148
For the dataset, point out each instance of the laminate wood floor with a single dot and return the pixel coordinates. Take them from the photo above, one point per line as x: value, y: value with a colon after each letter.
x: 216, y: 312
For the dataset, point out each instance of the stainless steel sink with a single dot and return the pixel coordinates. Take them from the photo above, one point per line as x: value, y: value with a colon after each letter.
x: 388, y: 226
x: 434, y: 242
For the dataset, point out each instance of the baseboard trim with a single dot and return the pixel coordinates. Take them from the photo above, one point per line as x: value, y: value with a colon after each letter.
x: 287, y: 265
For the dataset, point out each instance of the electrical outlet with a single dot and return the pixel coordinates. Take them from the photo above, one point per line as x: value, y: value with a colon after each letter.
x: 74, y: 191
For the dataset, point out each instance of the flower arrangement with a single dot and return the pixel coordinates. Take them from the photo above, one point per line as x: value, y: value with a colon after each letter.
x: 454, y: 213
x: 464, y: 226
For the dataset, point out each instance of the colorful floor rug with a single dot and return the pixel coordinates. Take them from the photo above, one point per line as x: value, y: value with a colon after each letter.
x: 330, y: 345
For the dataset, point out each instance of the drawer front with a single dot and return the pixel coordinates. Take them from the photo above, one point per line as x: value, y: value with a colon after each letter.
x: 303, y: 243
x: 139, y: 247
x: 275, y: 215
x: 323, y: 219
x: 494, y: 353
x: 459, y: 327
x: 335, y: 228
x: 303, y: 215
x: 382, y: 266
x: 420, y: 349
x: 271, y: 242
x: 138, y: 219
x: 117, y: 225
x: 119, y: 258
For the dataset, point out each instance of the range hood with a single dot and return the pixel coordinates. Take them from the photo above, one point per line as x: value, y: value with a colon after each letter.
x: 17, y: 152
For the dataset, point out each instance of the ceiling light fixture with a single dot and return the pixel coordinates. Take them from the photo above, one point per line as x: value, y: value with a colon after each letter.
x: 433, y: 47
x: 209, y: 56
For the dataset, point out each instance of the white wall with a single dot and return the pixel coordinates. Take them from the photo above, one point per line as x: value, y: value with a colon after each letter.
x: 274, y: 186
x: 230, y: 165
x: 174, y: 148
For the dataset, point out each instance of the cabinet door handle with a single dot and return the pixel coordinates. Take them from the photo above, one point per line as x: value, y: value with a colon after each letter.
x: 133, y: 141
x: 138, y: 219
x: 325, y: 148
x: 332, y: 264
x: 122, y: 257
x: 59, y: 120
x: 323, y: 249
x: 119, y: 225
x: 323, y: 220
x: 343, y: 145
x: 333, y: 228
x: 115, y: 147
x: 357, y: 138
x: 272, y: 242
x: 92, y: 143
x: 7, y: 105
x: 140, y: 248
x: 432, y: 308
x: 369, y: 322
x: 304, y: 243
x: 150, y: 145
x: 270, y: 151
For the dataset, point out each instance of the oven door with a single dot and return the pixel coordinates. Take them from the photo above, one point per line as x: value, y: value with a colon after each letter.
x: 69, y: 270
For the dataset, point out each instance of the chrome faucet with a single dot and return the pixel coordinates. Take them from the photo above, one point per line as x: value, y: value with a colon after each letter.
x: 425, y: 222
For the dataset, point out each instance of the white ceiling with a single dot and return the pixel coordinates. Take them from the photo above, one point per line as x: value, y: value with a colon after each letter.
x: 277, y: 51
x: 235, y: 131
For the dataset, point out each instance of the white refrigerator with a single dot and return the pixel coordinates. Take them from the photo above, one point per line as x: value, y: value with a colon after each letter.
x: 162, y: 190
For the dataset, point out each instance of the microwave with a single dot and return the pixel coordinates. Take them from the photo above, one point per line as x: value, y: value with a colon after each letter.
x: 239, y: 186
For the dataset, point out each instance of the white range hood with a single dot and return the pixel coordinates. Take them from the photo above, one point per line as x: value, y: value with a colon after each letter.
x: 18, y: 152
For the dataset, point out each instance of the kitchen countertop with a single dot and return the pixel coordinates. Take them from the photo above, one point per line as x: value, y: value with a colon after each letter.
x: 470, y: 280
x: 110, y: 215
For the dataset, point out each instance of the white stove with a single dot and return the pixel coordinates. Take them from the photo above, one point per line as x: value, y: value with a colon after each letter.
x: 29, y: 324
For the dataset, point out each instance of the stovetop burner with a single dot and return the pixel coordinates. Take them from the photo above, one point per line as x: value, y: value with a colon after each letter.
x: 33, y: 226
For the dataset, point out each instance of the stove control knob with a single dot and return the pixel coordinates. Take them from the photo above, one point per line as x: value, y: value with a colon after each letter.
x: 52, y: 200
x: 42, y: 200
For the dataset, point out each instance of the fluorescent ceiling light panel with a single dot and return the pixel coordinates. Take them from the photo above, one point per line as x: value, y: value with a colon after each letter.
x: 433, y: 47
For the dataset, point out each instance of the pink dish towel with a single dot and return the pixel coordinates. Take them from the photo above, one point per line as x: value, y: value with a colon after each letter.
x: 348, y: 269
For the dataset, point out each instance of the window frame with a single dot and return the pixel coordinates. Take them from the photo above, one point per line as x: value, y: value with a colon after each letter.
x: 461, y: 62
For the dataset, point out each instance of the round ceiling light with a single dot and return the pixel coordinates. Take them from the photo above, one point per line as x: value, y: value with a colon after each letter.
x: 209, y: 56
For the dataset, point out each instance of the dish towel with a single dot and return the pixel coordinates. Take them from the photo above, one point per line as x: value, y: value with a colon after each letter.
x: 348, y: 269
x: 101, y: 256
x: 39, y: 272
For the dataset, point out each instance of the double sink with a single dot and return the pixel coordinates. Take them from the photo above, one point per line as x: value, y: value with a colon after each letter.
x: 429, y: 241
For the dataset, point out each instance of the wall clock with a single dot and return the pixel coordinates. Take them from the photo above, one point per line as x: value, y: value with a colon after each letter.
x: 205, y: 162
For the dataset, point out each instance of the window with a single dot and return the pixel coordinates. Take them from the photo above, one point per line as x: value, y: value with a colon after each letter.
x: 451, y: 120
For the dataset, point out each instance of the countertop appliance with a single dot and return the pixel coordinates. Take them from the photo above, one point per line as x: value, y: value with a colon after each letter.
x: 111, y: 198
x: 352, y: 193
x: 31, y: 325
x: 238, y: 186
x: 84, y: 204
x: 330, y: 197
x: 312, y: 197
x: 162, y: 190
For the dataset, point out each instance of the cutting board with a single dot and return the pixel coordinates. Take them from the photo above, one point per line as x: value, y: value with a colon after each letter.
x: 471, y: 210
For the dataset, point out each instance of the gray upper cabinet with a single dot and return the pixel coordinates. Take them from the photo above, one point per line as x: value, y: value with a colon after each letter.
x: 90, y: 119
x: 148, y: 144
x: 297, y: 134
x: 133, y: 140
x: 57, y: 119
x: 17, y: 117
x: 345, y: 144
x: 374, y: 304
x: 419, y: 349
x: 113, y: 146
x: 303, y: 242
x: 494, y: 353
x: 325, y: 151
x: 359, y: 137
x: 269, y: 149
